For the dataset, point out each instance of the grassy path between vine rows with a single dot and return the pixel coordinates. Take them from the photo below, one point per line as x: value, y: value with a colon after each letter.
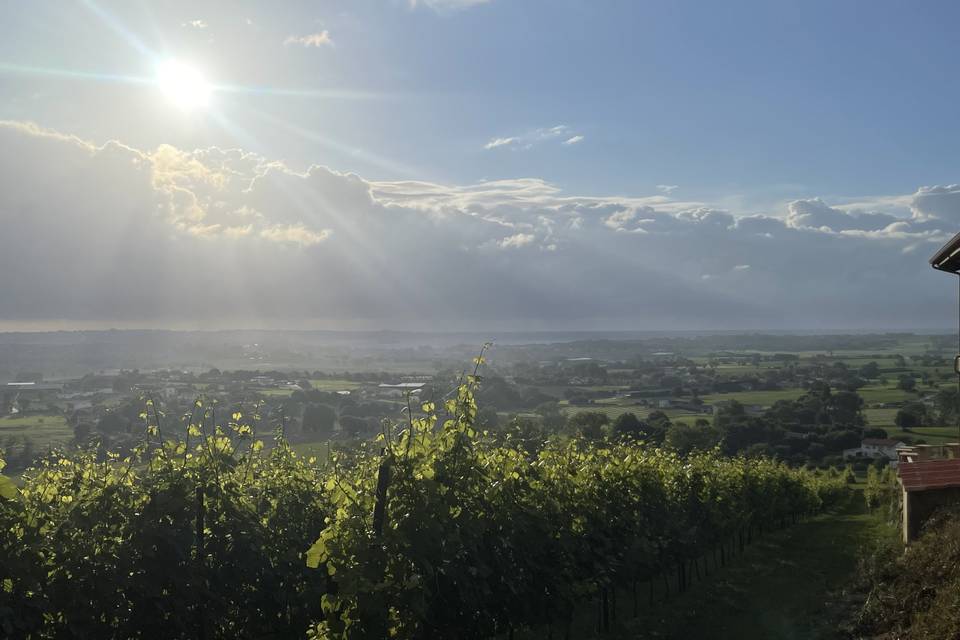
x: 789, y: 585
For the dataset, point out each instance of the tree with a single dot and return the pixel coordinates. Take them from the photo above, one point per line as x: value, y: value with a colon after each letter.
x: 589, y: 424
x: 911, y: 416
x: 549, y: 412
x: 82, y: 431
x: 627, y: 425
x: 947, y: 404
x: 488, y: 418
x: 870, y: 370
x: 685, y: 439
x: 846, y: 408
x: 907, y: 383
x: 113, y: 422
x: 875, y: 432
x: 352, y: 426
x: 319, y: 419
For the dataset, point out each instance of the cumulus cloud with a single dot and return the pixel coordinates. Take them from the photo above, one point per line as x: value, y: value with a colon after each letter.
x: 517, y: 240
x: 113, y: 234
x: 941, y: 203
x: 816, y: 214
x: 319, y: 39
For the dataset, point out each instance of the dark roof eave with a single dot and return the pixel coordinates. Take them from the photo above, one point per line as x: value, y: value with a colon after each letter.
x: 948, y: 257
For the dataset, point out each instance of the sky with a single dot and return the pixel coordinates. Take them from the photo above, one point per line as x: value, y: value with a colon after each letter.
x: 477, y: 164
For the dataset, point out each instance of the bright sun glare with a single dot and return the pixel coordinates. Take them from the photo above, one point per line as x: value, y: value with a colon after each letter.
x: 183, y: 85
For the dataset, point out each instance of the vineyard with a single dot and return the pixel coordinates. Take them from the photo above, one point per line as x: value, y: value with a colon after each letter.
x: 434, y: 531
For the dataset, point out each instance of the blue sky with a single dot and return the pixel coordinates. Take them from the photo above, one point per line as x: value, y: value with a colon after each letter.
x: 634, y: 116
x: 764, y: 99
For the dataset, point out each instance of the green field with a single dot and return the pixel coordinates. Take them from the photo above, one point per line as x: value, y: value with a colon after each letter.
x: 318, y: 450
x: 49, y: 430
x: 333, y: 384
x: 764, y: 398
x: 612, y: 411
x: 275, y: 392
x: 327, y: 385
x: 880, y: 417
x: 875, y: 393
x: 932, y: 435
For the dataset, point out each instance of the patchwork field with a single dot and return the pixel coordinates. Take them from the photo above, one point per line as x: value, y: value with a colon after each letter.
x: 763, y: 398
x: 932, y: 435
x: 328, y: 385
x: 332, y: 384
x: 614, y: 410
x: 45, y: 431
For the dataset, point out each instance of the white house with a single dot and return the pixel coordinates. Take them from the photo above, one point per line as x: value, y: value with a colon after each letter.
x: 874, y: 448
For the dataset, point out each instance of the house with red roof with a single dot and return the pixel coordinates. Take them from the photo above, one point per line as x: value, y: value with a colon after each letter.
x: 929, y: 480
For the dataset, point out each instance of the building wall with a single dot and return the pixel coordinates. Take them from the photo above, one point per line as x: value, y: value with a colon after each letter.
x: 918, y: 506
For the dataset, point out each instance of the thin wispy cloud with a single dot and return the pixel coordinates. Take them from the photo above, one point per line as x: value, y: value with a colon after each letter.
x: 667, y: 188
x: 534, y: 137
x: 446, y: 5
x: 499, y: 142
x: 320, y: 39
x: 195, y: 24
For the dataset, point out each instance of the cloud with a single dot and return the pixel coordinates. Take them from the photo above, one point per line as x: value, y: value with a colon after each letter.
x: 500, y: 142
x: 667, y: 188
x: 816, y: 214
x: 446, y: 5
x: 111, y: 234
x: 941, y: 203
x: 517, y: 240
x: 195, y: 24
x: 294, y: 234
x: 320, y: 39
x: 529, y: 139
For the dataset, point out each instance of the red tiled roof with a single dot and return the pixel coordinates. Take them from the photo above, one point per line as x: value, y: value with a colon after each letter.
x: 930, y: 474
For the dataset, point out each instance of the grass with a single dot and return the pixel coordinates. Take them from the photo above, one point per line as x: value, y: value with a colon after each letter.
x: 786, y: 585
x: 765, y: 398
x: 875, y: 393
x: 612, y: 411
x: 44, y: 430
x: 328, y: 385
x: 880, y: 417
x: 333, y: 384
x: 318, y: 450
x: 932, y: 435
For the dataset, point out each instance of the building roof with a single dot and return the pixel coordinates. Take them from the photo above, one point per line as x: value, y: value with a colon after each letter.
x: 880, y: 442
x: 948, y: 257
x: 930, y: 474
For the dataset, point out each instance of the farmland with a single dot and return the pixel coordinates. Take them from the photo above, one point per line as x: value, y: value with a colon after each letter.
x: 44, y: 430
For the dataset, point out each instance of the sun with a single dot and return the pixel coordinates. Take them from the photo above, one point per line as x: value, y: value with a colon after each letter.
x: 183, y: 85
